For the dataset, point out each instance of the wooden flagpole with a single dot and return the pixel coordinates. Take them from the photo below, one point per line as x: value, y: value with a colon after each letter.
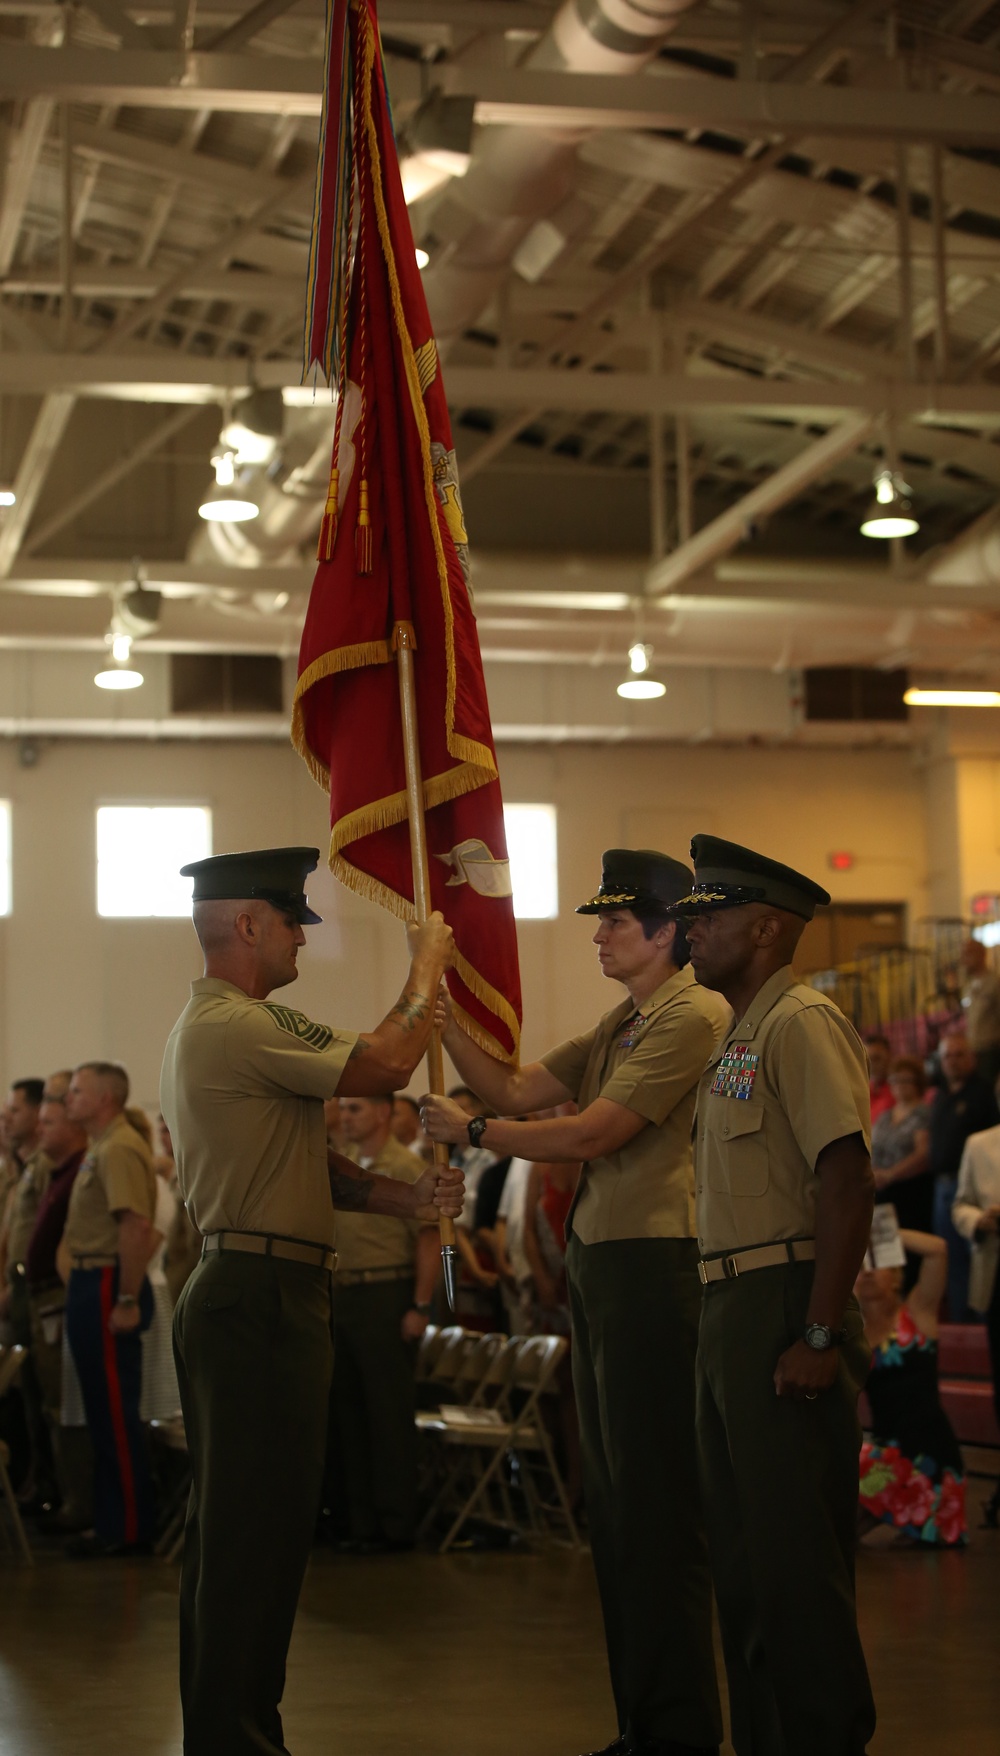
x: 404, y: 644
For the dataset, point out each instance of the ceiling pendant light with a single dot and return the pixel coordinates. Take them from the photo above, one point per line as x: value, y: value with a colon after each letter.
x: 639, y: 685
x: 890, y: 514
x: 227, y: 503
x: 120, y: 674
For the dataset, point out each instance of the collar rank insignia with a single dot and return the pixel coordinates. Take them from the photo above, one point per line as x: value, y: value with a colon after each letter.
x: 736, y: 1072
x: 631, y: 1032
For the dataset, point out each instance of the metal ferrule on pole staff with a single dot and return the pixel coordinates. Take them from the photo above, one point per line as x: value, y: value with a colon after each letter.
x: 404, y: 642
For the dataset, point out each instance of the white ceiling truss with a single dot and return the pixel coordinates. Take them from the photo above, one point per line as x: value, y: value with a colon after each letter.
x: 748, y: 266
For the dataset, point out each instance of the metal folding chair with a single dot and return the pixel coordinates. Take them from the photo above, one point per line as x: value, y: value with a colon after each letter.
x: 11, y: 1361
x: 512, y: 1428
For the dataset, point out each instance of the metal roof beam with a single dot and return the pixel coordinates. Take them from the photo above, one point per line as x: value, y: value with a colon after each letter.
x: 723, y: 533
x: 264, y: 83
x: 46, y: 437
x: 171, y: 376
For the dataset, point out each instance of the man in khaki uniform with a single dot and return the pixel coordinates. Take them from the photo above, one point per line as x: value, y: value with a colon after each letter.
x: 242, y: 1091
x: 784, y: 1193
x: 109, y: 1239
x: 64, y: 1144
x: 632, y: 1268
x: 383, y: 1285
x: 21, y: 1113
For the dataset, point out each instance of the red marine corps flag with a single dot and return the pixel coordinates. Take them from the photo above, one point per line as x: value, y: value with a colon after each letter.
x: 390, y: 710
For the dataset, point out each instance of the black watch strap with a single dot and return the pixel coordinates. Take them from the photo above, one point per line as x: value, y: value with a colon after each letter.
x: 476, y: 1129
x: 424, y: 1309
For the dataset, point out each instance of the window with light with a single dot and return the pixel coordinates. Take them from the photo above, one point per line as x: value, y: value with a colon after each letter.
x: 534, y: 871
x: 140, y: 850
x: 5, y: 884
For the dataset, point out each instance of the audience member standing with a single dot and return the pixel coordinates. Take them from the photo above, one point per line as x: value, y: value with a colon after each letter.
x: 901, y: 1148
x: 981, y: 1000
x: 976, y: 1213
x: 109, y: 1235
x: 22, y: 1116
x: 964, y: 1104
x: 912, y: 1474
x: 383, y: 1284
x: 64, y: 1143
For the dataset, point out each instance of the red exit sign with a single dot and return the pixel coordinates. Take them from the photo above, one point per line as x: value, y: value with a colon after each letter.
x: 985, y: 906
x: 840, y: 862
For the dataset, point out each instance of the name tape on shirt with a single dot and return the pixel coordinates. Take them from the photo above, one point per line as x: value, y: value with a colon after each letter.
x: 315, y: 1036
x: 736, y: 1072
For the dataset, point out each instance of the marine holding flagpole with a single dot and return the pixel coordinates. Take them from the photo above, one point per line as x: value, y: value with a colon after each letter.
x: 391, y: 716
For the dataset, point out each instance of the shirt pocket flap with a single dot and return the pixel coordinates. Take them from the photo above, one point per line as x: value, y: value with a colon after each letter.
x: 733, y: 1117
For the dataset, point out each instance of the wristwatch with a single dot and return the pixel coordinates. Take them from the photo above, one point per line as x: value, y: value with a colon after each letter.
x: 821, y: 1337
x: 126, y: 1299
x: 476, y: 1129
x: 424, y: 1310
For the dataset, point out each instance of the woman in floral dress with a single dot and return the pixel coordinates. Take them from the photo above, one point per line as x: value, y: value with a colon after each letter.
x: 911, y: 1468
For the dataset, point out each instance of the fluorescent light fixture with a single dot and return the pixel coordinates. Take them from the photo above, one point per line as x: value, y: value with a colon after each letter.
x: 952, y: 697
x: 638, y: 686
x: 891, y: 514
x: 7, y: 496
x: 422, y: 257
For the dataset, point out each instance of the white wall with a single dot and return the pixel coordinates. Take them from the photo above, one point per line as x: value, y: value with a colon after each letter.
x: 76, y: 986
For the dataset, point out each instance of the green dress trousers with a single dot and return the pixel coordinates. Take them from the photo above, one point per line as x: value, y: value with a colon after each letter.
x: 634, y: 1304
x: 373, y: 1402
x: 254, y: 1357
x: 780, y: 1485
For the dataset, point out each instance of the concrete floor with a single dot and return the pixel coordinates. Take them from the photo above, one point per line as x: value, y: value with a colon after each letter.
x: 472, y: 1655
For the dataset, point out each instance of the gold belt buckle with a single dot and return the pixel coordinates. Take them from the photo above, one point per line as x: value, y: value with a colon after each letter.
x: 703, y: 1273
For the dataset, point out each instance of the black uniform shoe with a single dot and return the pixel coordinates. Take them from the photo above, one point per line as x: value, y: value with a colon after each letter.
x: 671, y: 1748
x: 618, y: 1747
x: 91, y: 1548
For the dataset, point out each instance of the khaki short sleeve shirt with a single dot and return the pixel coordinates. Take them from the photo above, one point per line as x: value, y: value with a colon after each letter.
x: 116, y: 1174
x: 25, y: 1200
x: 242, y: 1092
x: 648, y: 1061
x: 790, y: 1078
x: 371, y: 1240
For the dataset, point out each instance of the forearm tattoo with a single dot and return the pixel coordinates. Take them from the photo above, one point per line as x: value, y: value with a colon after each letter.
x: 349, y: 1191
x: 410, y: 1009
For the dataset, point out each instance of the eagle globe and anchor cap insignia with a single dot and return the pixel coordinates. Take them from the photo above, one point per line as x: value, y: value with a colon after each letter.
x: 472, y: 863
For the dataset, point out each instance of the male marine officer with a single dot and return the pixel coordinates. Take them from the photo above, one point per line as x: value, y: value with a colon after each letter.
x: 242, y: 1092
x: 784, y: 1196
x: 632, y: 1268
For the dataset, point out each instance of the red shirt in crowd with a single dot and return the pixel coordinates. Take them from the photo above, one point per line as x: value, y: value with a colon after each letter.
x: 882, y: 1098
x: 40, y: 1257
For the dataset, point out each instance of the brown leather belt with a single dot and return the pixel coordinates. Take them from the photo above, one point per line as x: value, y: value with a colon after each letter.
x: 263, y: 1244
x: 757, y: 1256
x: 357, y: 1277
